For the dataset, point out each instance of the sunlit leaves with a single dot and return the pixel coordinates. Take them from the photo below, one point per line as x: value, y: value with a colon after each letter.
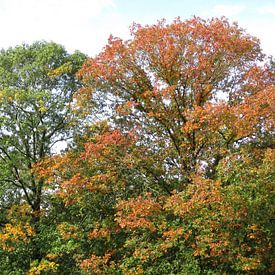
x: 136, y: 213
x: 176, y: 173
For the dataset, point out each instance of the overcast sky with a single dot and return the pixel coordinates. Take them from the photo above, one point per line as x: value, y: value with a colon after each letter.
x: 85, y: 25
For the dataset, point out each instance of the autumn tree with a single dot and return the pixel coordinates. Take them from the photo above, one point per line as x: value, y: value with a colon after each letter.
x: 37, y: 84
x: 184, y: 87
x: 179, y: 178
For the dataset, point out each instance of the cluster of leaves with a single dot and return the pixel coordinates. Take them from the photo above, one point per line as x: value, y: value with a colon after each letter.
x: 176, y: 174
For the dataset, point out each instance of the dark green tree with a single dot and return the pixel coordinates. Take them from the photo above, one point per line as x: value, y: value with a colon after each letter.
x: 37, y: 85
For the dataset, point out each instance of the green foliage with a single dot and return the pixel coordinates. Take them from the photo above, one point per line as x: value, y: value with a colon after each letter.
x: 169, y: 178
x: 37, y: 85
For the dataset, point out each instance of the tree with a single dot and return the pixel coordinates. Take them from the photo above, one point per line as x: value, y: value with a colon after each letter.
x: 188, y: 142
x: 184, y: 88
x: 37, y: 85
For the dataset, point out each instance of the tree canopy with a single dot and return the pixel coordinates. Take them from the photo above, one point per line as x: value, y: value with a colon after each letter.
x: 172, y: 170
x: 37, y: 84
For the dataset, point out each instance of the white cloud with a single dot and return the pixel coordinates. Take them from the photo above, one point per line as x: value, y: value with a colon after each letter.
x: 86, y: 24
x: 64, y: 21
x: 266, y: 10
x: 228, y: 10
x: 256, y: 27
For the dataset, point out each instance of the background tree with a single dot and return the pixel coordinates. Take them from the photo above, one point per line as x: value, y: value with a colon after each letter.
x: 37, y: 85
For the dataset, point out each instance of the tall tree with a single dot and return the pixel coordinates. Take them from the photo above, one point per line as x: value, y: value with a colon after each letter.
x: 179, y: 180
x: 168, y: 83
x: 37, y: 85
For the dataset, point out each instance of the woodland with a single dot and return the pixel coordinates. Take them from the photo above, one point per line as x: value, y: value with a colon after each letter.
x: 169, y: 159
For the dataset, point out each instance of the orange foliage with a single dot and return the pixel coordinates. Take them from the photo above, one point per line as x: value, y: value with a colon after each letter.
x: 170, y: 80
x: 136, y: 212
x: 195, y: 94
x: 203, y: 192
x: 70, y: 172
x: 95, y: 263
x: 68, y: 231
x: 13, y: 234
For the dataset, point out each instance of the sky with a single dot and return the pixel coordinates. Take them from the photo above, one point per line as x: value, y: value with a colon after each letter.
x: 85, y: 25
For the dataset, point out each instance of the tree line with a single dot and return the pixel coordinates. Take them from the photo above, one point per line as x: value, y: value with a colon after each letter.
x: 169, y: 161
